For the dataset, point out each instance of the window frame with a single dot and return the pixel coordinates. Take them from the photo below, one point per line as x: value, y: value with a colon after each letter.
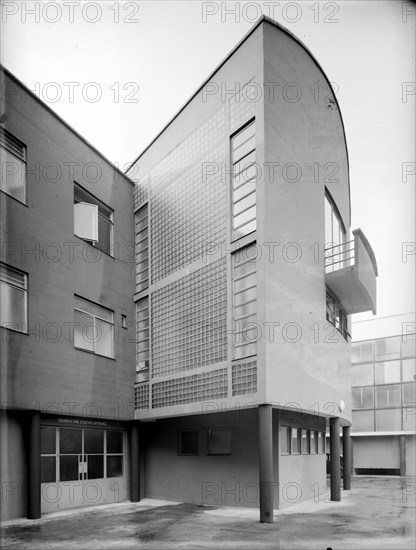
x: 6, y: 139
x: 233, y: 136
x: 92, y: 199
x: 285, y: 431
x: 242, y: 346
x: 180, y: 450
x: 94, y: 317
x: 337, y: 318
x: 24, y: 288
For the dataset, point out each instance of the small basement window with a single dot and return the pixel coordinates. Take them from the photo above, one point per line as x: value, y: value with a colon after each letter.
x: 188, y: 443
x: 219, y: 441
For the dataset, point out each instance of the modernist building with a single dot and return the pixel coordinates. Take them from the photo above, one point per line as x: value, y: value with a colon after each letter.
x: 383, y: 405
x: 246, y: 277
x: 67, y: 351
x: 244, y: 280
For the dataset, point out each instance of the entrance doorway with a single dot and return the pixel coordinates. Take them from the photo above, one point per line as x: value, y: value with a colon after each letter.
x: 82, y: 467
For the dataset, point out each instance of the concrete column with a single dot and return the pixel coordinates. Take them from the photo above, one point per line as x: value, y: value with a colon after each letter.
x: 266, y: 463
x: 402, y: 444
x: 335, y: 466
x: 346, y: 453
x: 134, y: 462
x: 33, y: 470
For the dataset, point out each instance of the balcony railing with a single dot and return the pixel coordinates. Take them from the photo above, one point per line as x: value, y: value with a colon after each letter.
x: 351, y: 271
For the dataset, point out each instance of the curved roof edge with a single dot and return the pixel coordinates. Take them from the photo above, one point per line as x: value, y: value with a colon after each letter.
x: 262, y: 19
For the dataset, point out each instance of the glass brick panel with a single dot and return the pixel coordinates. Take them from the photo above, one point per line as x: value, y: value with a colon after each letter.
x: 189, y: 321
x: 188, y: 205
x: 190, y: 389
x: 141, y: 397
x: 244, y: 378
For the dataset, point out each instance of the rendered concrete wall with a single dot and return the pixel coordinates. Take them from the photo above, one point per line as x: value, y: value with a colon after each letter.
x: 230, y: 480
x: 306, y: 358
x: 301, y: 477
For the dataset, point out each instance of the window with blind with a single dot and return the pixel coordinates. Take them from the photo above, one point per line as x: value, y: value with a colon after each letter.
x: 243, y: 160
x: 94, y: 328
x: 245, y: 302
x: 13, y: 166
x: 13, y: 297
x: 142, y: 248
x: 104, y: 239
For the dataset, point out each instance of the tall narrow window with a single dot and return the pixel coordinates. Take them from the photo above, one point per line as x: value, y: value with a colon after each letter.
x: 142, y: 249
x: 13, y: 294
x: 245, y: 302
x: 13, y: 166
x: 94, y: 328
x: 143, y: 340
x: 243, y: 160
x: 335, y: 238
x: 336, y: 315
x: 105, y: 221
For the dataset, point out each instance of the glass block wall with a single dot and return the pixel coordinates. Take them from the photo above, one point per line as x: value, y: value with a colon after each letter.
x: 383, y: 379
x: 181, y: 209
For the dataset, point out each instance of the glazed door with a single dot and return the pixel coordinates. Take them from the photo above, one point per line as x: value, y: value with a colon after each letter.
x: 81, y: 467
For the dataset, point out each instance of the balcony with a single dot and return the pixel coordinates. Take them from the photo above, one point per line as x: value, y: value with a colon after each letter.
x: 350, y: 272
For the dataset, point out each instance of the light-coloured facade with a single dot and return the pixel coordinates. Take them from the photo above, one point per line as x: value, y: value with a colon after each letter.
x: 246, y: 275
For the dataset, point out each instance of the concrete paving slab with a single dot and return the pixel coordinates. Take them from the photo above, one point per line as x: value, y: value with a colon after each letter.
x: 378, y: 513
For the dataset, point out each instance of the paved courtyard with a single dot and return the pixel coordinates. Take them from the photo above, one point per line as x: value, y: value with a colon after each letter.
x: 378, y: 513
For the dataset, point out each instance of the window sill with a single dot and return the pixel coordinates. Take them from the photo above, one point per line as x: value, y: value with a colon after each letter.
x: 15, y: 330
x: 96, y: 354
x: 14, y: 198
x: 95, y: 247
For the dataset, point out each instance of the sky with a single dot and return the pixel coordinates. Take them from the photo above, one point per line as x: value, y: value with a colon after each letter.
x: 119, y: 71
